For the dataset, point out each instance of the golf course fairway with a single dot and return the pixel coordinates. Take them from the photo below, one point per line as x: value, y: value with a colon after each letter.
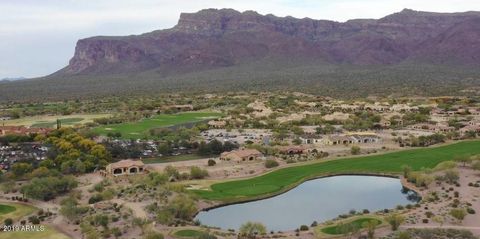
x: 286, y: 178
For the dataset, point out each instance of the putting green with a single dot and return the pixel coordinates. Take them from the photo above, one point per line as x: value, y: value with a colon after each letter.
x: 283, y: 179
x: 4, y: 209
x: 14, y: 211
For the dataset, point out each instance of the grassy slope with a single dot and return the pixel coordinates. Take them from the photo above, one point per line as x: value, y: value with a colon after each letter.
x: 20, y: 211
x: 51, y: 120
x: 138, y: 129
x: 284, y: 179
x: 50, y: 124
x: 188, y: 233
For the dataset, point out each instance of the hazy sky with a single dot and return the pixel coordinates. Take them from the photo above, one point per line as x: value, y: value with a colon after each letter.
x: 38, y: 36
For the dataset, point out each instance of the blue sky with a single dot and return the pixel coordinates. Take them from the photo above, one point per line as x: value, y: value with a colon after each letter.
x: 38, y: 36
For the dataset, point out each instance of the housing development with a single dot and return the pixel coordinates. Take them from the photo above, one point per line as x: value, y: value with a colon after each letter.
x: 161, y: 119
x: 113, y: 174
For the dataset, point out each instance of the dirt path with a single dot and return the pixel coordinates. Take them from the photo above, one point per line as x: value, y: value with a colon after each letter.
x: 58, y: 224
x: 88, y: 180
x: 137, y: 208
x: 474, y: 230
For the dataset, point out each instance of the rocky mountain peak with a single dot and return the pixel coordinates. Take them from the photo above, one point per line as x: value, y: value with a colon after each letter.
x: 225, y: 37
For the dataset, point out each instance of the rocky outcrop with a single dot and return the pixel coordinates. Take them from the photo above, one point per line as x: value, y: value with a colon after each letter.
x: 218, y: 38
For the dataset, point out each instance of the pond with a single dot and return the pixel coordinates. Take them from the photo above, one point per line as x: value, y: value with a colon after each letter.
x: 315, y: 200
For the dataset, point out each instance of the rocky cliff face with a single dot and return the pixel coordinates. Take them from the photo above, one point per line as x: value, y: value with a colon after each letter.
x: 219, y: 38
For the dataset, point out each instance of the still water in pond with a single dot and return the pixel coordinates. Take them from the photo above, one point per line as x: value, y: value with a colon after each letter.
x: 316, y: 200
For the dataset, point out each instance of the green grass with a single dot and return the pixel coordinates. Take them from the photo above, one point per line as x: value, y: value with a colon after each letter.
x: 50, y: 124
x: 19, y: 211
x: 188, y: 233
x: 168, y: 159
x: 51, y: 120
x: 358, y: 223
x: 48, y: 233
x: 140, y: 129
x: 4, y: 209
x: 286, y: 178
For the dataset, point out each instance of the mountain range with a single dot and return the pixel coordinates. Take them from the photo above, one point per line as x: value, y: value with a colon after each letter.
x: 13, y: 78
x: 225, y: 49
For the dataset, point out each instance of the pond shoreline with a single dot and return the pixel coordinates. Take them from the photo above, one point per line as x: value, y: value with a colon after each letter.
x: 218, y: 204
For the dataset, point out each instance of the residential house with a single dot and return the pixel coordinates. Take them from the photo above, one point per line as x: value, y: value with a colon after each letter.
x: 337, y: 140
x: 474, y: 111
x: 291, y: 150
x: 377, y: 107
x: 310, y: 129
x: 384, y: 123
x: 217, y: 124
x: 125, y: 167
x: 437, y: 128
x: 470, y: 128
x: 365, y: 138
x: 310, y: 139
x: 354, y: 138
x: 240, y: 155
x: 403, y: 108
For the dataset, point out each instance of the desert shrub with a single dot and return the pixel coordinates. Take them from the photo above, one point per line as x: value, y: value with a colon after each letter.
x: 395, y: 220
x: 211, y: 162
x: 355, y: 150
x: 198, y: 173
x: 8, y: 222
x: 270, y: 163
x: 49, y: 187
x: 437, y: 234
x: 470, y: 210
x: 153, y: 235
x: 95, y: 198
x: 252, y: 229
x: 34, y: 220
x: 458, y: 213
